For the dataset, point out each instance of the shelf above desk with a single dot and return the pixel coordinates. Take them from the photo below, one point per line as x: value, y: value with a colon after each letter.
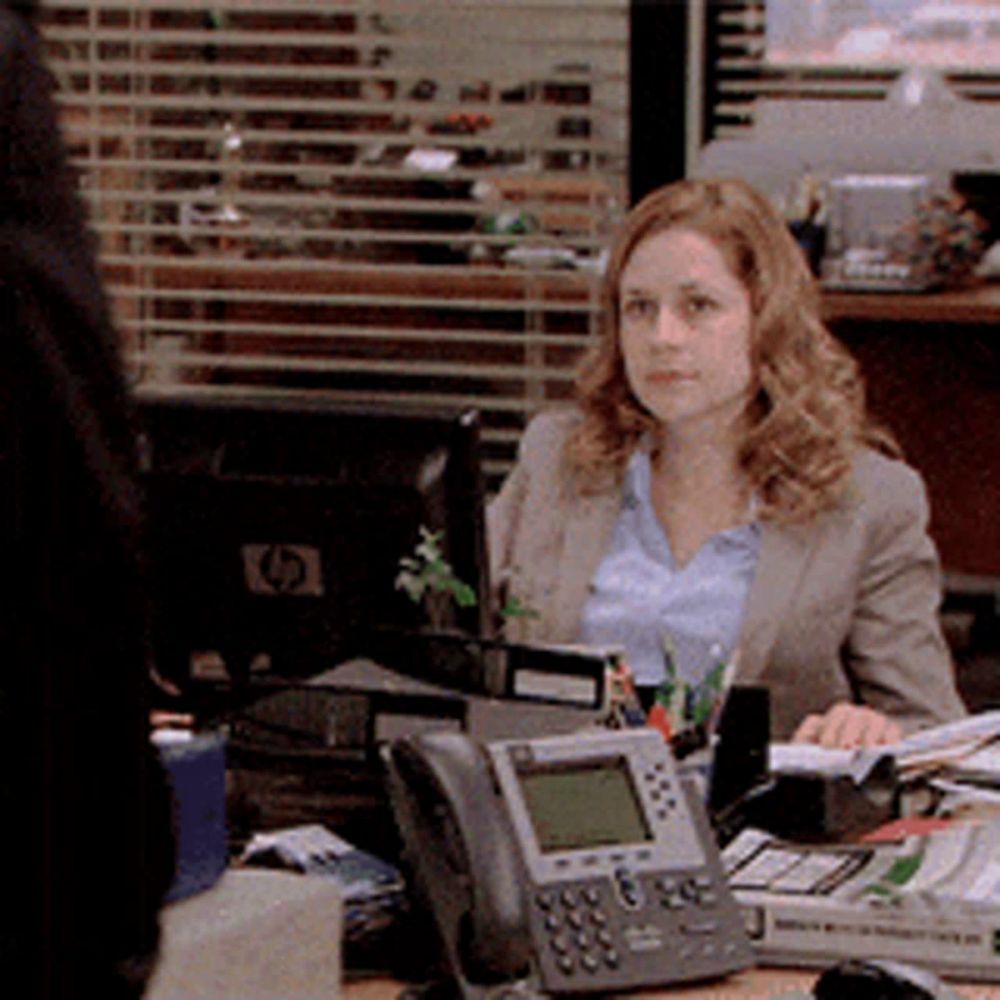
x: 973, y: 305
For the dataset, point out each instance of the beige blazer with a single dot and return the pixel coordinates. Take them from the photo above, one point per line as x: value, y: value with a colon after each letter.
x: 843, y: 607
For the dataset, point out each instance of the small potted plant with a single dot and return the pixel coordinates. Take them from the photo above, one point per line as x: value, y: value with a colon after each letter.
x: 427, y: 578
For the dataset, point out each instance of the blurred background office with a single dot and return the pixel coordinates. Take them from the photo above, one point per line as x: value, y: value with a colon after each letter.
x: 409, y: 200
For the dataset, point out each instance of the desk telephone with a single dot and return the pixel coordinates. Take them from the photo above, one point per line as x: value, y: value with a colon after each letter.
x: 562, y: 864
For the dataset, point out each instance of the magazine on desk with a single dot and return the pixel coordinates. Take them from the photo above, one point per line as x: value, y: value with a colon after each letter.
x: 932, y: 898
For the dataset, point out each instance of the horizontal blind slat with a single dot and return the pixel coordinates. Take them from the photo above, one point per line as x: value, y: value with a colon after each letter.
x: 411, y: 335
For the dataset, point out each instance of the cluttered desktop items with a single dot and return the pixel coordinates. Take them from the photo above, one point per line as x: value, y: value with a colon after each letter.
x: 914, y: 898
x: 919, y: 887
x: 577, y: 812
x: 610, y: 816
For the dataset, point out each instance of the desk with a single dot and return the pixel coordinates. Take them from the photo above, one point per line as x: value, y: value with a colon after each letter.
x: 257, y: 935
x: 754, y: 984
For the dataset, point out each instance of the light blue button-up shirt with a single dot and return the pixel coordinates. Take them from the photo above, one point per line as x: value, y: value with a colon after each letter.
x: 641, y: 601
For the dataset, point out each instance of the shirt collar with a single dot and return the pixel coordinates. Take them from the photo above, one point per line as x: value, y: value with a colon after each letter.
x: 638, y: 483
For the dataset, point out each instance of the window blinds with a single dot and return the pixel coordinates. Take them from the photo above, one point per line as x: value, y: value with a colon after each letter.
x: 736, y: 73
x: 379, y: 199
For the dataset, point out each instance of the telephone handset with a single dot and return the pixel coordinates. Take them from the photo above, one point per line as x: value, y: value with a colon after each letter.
x: 567, y: 864
x: 460, y: 853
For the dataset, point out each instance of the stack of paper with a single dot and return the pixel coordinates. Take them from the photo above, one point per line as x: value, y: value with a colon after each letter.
x: 946, y: 749
x: 933, y: 898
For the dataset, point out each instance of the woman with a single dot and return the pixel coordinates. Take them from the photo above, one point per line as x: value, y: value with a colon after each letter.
x: 720, y: 488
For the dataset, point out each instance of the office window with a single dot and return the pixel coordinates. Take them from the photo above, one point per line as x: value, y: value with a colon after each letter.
x: 836, y: 50
x: 380, y: 199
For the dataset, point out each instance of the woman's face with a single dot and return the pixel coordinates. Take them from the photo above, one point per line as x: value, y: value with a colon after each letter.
x: 685, y: 328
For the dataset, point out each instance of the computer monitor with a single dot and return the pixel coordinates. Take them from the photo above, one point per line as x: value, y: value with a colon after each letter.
x: 275, y: 526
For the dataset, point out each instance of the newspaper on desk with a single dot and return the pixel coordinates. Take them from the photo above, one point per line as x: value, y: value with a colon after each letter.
x: 932, y: 899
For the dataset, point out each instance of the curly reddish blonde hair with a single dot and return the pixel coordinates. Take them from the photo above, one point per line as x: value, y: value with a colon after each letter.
x: 807, y: 415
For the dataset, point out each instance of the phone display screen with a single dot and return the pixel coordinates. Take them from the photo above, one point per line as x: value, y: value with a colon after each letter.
x: 583, y: 805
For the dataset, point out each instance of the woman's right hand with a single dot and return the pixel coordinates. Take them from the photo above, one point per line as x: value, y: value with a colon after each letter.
x: 848, y: 726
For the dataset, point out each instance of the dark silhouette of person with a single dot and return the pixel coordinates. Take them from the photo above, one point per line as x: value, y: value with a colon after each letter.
x: 87, y: 851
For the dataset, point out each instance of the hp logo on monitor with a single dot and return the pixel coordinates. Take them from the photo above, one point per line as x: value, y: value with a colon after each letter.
x: 281, y: 570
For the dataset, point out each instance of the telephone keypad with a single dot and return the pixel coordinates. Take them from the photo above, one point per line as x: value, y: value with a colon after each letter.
x: 596, y: 921
x: 583, y: 951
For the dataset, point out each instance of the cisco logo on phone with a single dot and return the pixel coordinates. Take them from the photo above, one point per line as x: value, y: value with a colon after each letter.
x: 282, y: 570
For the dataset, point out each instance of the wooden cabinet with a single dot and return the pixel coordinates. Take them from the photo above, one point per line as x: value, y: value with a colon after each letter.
x: 932, y: 362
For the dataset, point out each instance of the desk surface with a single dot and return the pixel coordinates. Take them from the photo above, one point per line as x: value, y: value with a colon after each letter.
x: 754, y: 984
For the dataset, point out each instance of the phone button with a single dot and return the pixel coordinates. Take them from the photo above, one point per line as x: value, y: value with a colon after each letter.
x: 629, y: 889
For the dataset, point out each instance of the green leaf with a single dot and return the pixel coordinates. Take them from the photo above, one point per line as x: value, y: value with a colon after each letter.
x: 514, y: 607
x: 427, y: 572
x: 464, y: 595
